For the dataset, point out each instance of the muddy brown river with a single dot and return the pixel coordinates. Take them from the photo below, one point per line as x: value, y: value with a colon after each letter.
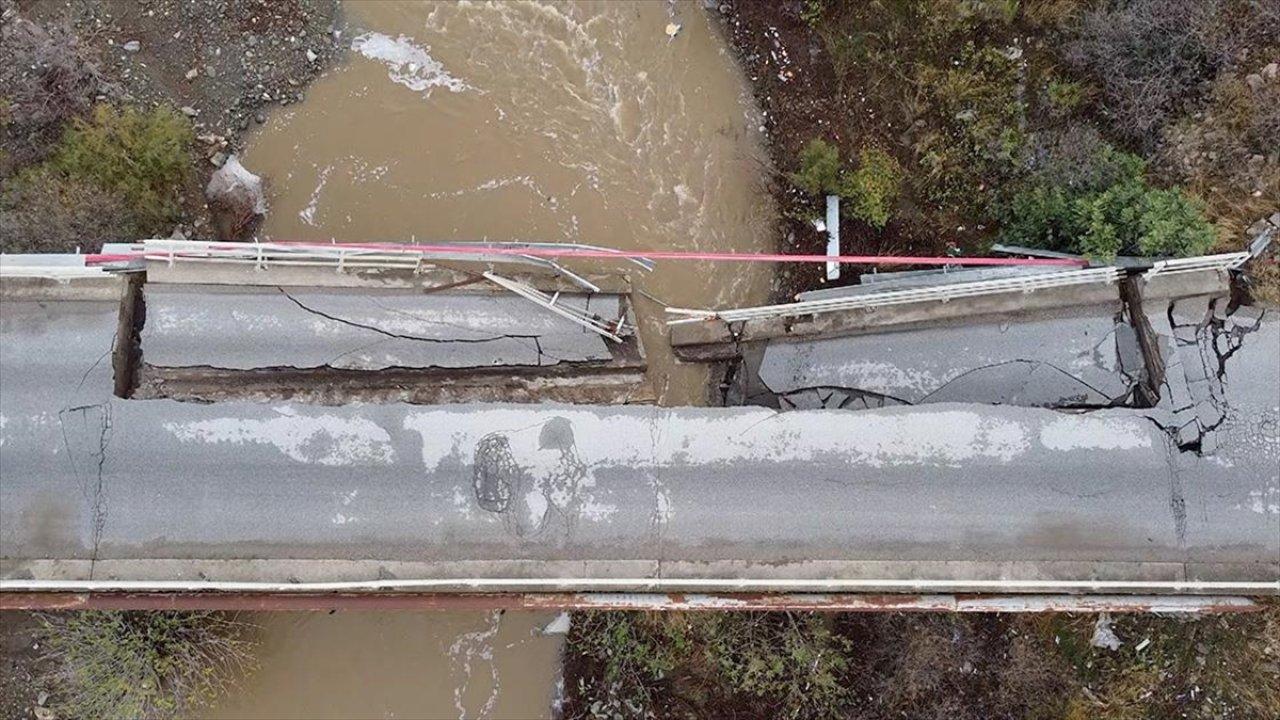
x: 387, y: 665
x: 552, y: 122
x: 557, y: 122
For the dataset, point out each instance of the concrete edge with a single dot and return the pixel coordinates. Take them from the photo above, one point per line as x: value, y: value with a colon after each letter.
x: 291, y: 576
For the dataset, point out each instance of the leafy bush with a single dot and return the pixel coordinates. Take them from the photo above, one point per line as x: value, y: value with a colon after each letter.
x: 141, y: 156
x: 812, y: 11
x: 1109, y: 210
x: 819, y: 168
x: 134, y: 665
x: 44, y: 211
x: 1065, y: 96
x: 873, y: 187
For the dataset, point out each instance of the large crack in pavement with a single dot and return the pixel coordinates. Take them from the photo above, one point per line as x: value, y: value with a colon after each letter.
x: 1192, y: 401
x: 92, y: 483
x: 535, y: 339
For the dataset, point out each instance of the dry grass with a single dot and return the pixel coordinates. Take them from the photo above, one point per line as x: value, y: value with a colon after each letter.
x: 948, y: 667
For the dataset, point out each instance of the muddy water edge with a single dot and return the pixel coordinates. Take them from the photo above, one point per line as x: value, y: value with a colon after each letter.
x: 583, y: 122
x: 555, y: 122
x: 398, y: 665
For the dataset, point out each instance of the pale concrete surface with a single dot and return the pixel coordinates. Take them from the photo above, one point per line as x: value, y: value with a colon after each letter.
x: 250, y: 328
x: 949, y: 490
x: 1075, y: 357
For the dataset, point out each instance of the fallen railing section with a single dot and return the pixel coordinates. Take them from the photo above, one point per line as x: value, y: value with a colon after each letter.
x: 572, y: 313
x: 1176, y: 266
x: 942, y: 293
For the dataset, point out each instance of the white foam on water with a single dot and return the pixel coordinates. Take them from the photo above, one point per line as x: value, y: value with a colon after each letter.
x: 407, y: 63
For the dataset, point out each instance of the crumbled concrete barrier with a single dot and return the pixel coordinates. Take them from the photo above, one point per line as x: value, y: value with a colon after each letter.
x: 1083, y: 357
x: 248, y: 328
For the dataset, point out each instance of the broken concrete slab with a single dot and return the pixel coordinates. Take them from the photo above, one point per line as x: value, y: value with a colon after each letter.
x: 1215, y: 373
x: 251, y: 328
x: 1068, y: 357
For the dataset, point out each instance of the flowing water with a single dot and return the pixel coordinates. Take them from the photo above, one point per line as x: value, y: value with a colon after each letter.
x: 398, y: 665
x: 515, y: 120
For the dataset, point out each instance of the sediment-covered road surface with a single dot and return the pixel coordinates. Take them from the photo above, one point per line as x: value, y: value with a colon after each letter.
x: 98, y: 487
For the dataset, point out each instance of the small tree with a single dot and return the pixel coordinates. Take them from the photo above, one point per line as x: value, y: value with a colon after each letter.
x: 873, y: 187
x: 819, y: 168
x: 135, y: 665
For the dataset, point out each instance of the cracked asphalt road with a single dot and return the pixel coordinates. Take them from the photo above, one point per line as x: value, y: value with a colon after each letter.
x: 949, y: 490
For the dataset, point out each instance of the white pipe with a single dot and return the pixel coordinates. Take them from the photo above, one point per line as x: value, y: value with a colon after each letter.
x: 833, y: 235
x: 650, y: 585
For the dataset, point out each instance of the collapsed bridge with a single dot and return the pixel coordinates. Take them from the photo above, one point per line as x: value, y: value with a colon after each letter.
x: 123, y: 469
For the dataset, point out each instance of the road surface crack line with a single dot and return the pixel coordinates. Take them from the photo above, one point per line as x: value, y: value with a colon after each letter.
x: 536, y: 339
x: 91, y: 487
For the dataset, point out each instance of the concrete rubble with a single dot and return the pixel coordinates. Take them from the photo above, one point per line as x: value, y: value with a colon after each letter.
x: 1080, y: 357
x: 339, y: 345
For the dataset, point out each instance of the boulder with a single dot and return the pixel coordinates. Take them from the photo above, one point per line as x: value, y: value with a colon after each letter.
x: 236, y: 200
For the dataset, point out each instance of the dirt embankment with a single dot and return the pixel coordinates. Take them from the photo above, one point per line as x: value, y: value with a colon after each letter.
x: 945, y: 127
x: 22, y: 691
x: 222, y: 65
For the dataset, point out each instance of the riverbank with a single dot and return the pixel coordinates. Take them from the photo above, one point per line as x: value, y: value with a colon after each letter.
x: 217, y: 69
x: 946, y: 127
x: 884, y: 666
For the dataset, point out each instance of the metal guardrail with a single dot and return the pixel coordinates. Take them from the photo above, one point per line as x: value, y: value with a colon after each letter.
x: 942, y: 293
x: 571, y: 313
x: 52, y: 272
x: 345, y: 257
x: 1225, y: 261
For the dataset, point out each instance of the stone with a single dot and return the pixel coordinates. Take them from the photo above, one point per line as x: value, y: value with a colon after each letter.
x: 1103, y: 635
x: 192, y: 74
x: 259, y: 118
x: 312, y: 56
x: 132, y: 46
x: 218, y: 159
x: 1254, y: 80
x: 1271, y: 70
x: 189, y: 111
x: 236, y: 199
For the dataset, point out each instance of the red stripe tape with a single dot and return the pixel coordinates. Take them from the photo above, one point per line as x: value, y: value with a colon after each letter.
x: 548, y: 252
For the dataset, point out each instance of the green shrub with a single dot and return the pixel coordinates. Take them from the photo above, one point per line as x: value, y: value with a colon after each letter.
x: 1110, y: 210
x: 1065, y: 96
x: 134, y: 665
x: 141, y: 156
x: 812, y: 11
x: 819, y: 168
x: 873, y: 187
x: 44, y: 211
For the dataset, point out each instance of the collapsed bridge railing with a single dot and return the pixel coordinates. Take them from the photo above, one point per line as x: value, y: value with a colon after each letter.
x: 941, y: 293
